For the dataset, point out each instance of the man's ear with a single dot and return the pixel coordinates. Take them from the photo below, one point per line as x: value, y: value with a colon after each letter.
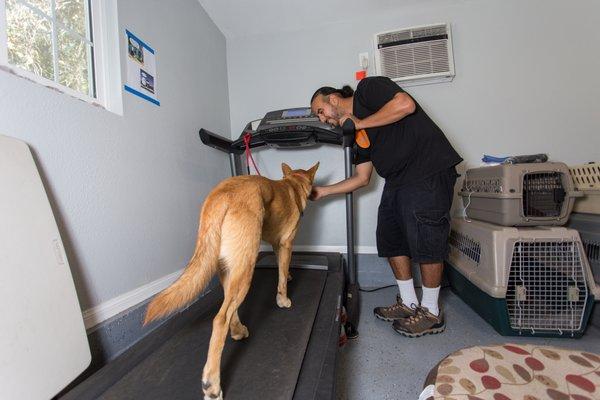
x: 313, y: 170
x: 333, y: 99
x: 286, y: 169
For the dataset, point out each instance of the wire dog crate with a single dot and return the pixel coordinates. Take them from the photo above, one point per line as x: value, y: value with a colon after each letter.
x: 586, y: 178
x: 519, y: 194
x: 588, y: 226
x: 523, y: 281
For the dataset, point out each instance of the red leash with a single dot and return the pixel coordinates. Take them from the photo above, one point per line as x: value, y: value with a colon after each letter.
x: 247, y: 138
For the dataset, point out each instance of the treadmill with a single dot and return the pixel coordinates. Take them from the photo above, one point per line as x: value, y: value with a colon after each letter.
x: 298, y: 127
x: 290, y: 353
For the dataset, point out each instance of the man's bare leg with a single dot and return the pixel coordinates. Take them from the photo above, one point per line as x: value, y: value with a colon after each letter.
x: 401, y: 268
x: 431, y: 274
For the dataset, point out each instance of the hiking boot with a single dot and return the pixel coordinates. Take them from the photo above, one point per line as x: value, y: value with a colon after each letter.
x: 422, y: 323
x: 394, y: 312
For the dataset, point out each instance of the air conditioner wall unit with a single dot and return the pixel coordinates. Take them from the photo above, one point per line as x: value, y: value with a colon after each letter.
x: 415, y: 56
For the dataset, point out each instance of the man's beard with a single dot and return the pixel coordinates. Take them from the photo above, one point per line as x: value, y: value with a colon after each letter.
x: 336, y: 115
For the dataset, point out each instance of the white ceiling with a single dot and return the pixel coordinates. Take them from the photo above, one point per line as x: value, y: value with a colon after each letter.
x: 239, y: 18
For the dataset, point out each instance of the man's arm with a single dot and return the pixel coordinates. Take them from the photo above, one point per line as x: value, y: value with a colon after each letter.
x: 361, y: 177
x: 394, y: 110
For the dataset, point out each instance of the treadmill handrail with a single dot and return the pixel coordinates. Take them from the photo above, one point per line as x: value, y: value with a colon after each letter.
x: 218, y: 142
x: 239, y: 146
x: 349, y: 132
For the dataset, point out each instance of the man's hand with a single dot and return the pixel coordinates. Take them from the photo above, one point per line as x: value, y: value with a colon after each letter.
x: 360, y: 178
x: 318, y: 192
x: 357, y: 121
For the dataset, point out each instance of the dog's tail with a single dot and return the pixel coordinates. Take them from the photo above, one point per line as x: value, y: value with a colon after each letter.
x: 200, y: 269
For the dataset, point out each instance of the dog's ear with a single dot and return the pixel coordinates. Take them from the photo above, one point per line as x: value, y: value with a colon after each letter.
x: 313, y: 170
x: 286, y: 169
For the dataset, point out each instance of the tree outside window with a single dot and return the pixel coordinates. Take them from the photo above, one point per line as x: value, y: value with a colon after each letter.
x: 52, y: 39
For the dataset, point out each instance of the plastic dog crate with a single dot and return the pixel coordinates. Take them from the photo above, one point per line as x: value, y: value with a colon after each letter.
x: 588, y: 226
x: 523, y: 281
x: 519, y: 194
x: 586, y: 178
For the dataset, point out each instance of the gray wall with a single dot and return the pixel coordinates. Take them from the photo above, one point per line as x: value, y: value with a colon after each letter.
x: 126, y: 190
x: 527, y: 81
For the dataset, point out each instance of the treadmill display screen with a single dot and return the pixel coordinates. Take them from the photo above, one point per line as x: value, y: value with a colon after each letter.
x: 296, y: 112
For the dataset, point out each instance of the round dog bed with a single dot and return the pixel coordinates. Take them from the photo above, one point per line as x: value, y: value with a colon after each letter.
x: 511, y: 372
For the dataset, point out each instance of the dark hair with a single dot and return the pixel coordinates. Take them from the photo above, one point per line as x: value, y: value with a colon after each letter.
x: 345, y: 91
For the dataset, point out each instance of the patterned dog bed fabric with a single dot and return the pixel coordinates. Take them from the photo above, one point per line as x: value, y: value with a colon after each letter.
x: 510, y: 372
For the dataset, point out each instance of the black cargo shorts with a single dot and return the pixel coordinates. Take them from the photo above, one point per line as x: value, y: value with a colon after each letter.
x: 414, y: 219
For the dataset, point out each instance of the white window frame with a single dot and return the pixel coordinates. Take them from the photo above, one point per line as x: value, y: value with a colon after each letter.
x: 107, y: 71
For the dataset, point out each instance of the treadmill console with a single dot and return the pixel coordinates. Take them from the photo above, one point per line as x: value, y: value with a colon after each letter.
x: 296, y: 127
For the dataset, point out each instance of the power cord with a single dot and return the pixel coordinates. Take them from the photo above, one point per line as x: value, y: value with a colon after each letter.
x: 376, y: 289
x: 389, y: 286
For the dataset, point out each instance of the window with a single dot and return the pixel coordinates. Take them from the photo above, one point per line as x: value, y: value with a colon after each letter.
x: 63, y: 44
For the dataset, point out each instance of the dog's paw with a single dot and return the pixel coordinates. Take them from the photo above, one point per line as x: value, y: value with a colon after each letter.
x: 283, y: 302
x: 213, y: 396
x: 240, y: 333
x: 209, y: 391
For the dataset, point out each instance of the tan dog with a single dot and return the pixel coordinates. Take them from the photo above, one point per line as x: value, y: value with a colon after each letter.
x: 235, y: 216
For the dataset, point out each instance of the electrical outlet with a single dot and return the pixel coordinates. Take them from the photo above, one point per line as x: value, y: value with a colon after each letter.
x: 363, y: 60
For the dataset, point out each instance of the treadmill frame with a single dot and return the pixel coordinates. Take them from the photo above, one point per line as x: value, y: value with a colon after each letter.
x: 314, y: 133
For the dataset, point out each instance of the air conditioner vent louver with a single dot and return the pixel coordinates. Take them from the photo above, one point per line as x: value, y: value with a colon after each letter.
x: 394, y: 37
x: 415, y: 55
x: 430, y: 31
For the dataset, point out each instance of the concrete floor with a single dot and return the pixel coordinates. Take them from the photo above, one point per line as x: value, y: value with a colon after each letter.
x: 381, y: 364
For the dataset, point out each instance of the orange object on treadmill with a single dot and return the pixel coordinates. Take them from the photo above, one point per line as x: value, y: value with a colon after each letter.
x: 362, y: 139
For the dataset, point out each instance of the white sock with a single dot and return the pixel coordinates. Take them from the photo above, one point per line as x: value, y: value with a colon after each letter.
x: 407, y: 292
x: 430, y: 299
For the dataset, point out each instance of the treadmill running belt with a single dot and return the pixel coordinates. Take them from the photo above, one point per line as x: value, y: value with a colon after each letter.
x: 265, y: 365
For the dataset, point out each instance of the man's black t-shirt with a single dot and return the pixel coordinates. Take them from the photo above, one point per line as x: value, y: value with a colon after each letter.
x: 405, y: 151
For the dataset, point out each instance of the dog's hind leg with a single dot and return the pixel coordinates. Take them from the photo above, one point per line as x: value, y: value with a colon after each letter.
x: 284, y: 254
x: 238, y: 330
x: 240, y: 260
x: 235, y: 292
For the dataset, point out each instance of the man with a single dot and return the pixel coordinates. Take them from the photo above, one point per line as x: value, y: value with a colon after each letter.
x: 407, y: 149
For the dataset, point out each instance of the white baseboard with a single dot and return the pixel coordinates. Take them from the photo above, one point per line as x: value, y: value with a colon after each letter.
x: 100, y: 313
